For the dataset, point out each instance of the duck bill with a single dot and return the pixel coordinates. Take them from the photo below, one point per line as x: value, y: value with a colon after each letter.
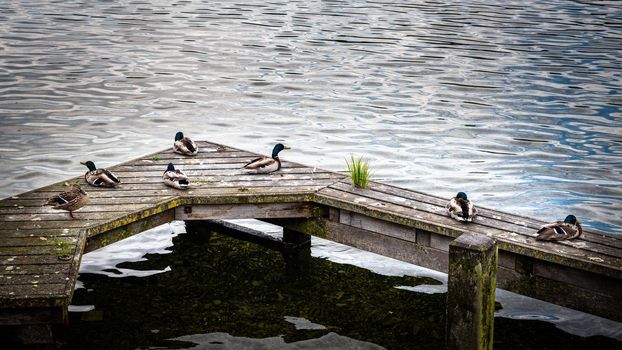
x: 83, y: 163
x: 286, y: 147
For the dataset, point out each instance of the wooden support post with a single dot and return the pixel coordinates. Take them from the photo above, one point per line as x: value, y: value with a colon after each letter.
x: 297, y: 253
x: 200, y: 230
x: 199, y: 227
x: 471, y: 292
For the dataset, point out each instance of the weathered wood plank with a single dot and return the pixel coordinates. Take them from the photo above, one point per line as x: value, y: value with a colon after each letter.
x: 378, y: 226
x: 159, y: 187
x: 61, y: 221
x: 203, y: 154
x: 36, y: 269
x: 533, y: 224
x: 46, y: 232
x: 90, y: 208
x: 439, y: 209
x: 57, y: 249
x: 236, y: 211
x: 254, y: 192
x: 379, y: 208
x: 444, y: 225
x: 40, y: 203
x: 218, y: 172
x: 31, y: 290
x: 379, y: 243
x: 482, y: 221
x: 15, y: 260
x: 229, y: 178
x: 216, y: 163
x: 189, y: 161
x: 50, y: 278
x: 98, y: 239
x: 131, y: 217
x: 30, y: 241
x: 266, y: 186
x: 59, y: 215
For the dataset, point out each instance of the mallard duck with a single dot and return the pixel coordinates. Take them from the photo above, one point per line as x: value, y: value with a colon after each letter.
x: 461, y: 208
x: 99, y: 177
x: 263, y: 165
x: 184, y: 145
x: 71, y: 200
x: 175, y: 178
x: 570, y: 228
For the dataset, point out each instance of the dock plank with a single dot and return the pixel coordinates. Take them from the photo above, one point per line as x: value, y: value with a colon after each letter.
x: 49, y: 278
x: 486, y: 217
x: 436, y: 222
x: 531, y: 223
x: 34, y: 269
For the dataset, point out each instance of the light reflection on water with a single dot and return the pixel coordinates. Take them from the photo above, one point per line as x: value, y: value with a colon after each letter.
x: 517, y: 104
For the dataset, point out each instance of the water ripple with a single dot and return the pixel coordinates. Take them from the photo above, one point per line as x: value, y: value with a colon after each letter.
x: 517, y: 103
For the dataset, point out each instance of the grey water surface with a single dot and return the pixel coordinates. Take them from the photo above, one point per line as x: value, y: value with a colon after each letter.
x: 516, y: 103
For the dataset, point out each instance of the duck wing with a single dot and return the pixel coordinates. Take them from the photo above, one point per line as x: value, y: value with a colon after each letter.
x: 63, y: 198
x: 101, y: 177
x: 190, y: 145
x: 559, y: 231
x: 185, y: 146
x: 460, y: 209
x: 110, y: 177
x: 261, y: 162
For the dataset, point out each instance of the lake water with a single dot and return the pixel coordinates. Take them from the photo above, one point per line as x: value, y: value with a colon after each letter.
x: 516, y: 103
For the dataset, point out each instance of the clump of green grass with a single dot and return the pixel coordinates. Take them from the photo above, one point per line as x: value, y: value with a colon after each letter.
x: 359, y: 171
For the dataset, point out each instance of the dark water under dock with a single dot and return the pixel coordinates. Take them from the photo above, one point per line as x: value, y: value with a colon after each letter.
x: 222, y: 292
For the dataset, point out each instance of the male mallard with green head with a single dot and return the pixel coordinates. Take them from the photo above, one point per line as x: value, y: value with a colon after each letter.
x: 184, y: 145
x: 175, y: 178
x: 461, y: 208
x: 99, y: 177
x: 570, y: 228
x: 71, y: 200
x: 264, y: 165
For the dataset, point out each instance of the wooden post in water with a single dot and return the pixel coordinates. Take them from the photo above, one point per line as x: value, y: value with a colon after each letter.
x: 297, y: 253
x: 200, y: 229
x: 471, y: 292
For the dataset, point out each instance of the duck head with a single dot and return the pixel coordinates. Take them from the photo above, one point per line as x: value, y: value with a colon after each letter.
x: 170, y: 167
x: 278, y: 148
x: 179, y: 136
x: 571, y: 219
x: 461, y: 195
x: 89, y: 165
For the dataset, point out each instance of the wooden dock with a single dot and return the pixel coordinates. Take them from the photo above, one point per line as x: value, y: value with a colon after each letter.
x: 41, y: 248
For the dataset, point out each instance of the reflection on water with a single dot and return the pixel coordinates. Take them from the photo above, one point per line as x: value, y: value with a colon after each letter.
x: 237, y: 292
x: 516, y: 103
x: 219, y: 292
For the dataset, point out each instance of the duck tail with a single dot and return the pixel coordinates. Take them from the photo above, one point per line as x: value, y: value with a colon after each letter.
x: 190, y: 146
x: 465, y: 209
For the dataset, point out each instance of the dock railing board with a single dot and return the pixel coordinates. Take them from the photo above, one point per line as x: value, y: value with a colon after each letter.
x: 41, y: 248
